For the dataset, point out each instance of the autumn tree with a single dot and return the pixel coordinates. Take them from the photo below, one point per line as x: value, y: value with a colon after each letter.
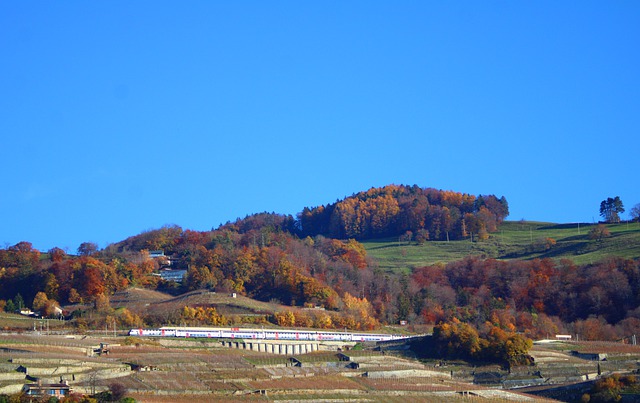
x: 199, y: 277
x: 599, y: 232
x: 74, y: 296
x: 87, y: 248
x: 21, y: 256
x: 40, y: 301
x: 51, y: 308
x: 90, y: 280
x: 101, y: 303
x: 51, y: 285
x: 456, y: 340
x: 285, y: 318
x: 128, y: 319
x: 422, y: 235
x: 323, y: 321
x: 611, y: 388
x: 351, y: 251
x: 203, y: 316
x: 506, y: 347
x: 361, y: 311
x: 56, y: 254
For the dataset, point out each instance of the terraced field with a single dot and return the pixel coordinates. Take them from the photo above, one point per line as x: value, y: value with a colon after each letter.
x: 152, y: 373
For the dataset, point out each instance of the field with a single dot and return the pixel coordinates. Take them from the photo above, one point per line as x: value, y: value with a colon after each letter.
x: 153, y: 373
x: 180, y: 373
x: 514, y: 240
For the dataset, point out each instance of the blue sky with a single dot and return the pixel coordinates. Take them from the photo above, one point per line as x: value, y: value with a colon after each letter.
x: 118, y: 117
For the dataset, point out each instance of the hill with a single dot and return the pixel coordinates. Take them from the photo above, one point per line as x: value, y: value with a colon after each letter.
x: 395, y: 210
x: 148, y: 302
x: 493, y: 271
x: 514, y: 240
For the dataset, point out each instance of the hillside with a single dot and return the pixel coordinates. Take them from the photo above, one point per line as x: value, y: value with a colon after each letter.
x: 294, y: 272
x: 186, y: 371
x: 513, y: 240
x: 144, y: 302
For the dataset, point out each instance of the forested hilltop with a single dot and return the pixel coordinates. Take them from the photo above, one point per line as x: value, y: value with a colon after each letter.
x: 393, y: 210
x: 315, y: 266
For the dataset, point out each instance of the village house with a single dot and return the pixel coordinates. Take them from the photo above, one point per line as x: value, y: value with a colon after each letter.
x: 47, y: 389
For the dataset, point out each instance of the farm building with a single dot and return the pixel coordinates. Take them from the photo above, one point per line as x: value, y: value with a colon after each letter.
x: 47, y: 389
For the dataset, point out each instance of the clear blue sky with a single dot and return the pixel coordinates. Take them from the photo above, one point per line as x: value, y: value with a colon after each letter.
x: 118, y: 117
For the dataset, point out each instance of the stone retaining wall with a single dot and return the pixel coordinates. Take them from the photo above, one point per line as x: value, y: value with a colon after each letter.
x: 169, y: 342
x: 102, y: 374
x: 83, y: 370
x: 63, y: 362
x: 50, y: 371
x: 408, y: 373
x: 11, y: 389
x: 11, y: 376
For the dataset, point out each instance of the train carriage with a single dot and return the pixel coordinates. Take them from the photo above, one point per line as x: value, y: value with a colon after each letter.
x: 261, y: 334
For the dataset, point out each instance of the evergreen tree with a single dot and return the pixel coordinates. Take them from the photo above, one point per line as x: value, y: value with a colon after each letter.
x: 10, y: 306
x: 18, y: 302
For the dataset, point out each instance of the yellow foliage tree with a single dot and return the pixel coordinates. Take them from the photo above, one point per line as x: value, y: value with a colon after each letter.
x: 40, y: 301
x: 324, y: 321
x: 286, y: 318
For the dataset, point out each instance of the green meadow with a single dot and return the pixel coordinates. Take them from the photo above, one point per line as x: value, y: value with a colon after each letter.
x: 513, y: 240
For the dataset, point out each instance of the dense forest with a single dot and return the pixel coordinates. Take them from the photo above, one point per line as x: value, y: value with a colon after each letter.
x: 315, y: 260
x: 394, y: 210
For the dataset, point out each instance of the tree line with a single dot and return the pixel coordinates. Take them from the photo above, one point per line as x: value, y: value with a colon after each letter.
x: 394, y: 210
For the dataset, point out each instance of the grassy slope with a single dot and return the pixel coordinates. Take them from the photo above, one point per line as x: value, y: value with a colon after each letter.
x: 14, y: 321
x: 143, y: 301
x: 514, y: 240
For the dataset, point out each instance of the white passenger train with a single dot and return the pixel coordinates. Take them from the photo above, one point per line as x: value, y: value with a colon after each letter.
x: 261, y: 334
